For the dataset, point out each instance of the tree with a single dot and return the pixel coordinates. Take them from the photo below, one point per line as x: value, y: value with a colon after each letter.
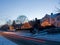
x: 58, y: 8
x: 14, y: 24
x: 9, y: 22
x: 36, y: 25
x: 21, y: 19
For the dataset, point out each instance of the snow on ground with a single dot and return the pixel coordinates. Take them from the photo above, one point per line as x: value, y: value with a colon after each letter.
x: 52, y: 37
x: 4, y: 41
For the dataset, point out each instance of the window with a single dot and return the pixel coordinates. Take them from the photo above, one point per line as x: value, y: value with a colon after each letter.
x: 58, y: 18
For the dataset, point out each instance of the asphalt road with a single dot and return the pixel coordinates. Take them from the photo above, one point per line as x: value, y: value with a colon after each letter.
x: 21, y: 40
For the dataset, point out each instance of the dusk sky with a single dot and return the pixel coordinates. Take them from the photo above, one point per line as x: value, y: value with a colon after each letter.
x: 11, y: 9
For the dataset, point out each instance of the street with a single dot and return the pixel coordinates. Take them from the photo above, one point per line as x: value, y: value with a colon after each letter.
x: 21, y: 40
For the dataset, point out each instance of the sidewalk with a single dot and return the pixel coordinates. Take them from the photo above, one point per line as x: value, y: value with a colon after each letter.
x: 4, y: 41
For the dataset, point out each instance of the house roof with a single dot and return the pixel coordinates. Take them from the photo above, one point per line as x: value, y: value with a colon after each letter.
x: 46, y: 16
x: 54, y: 15
x: 50, y: 16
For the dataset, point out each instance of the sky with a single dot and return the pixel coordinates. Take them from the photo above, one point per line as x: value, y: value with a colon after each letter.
x: 11, y: 9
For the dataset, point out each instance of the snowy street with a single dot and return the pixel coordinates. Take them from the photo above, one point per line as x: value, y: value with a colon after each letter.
x: 22, y: 38
x: 4, y: 41
x: 45, y: 36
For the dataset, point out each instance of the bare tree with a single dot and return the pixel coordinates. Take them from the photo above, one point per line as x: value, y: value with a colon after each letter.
x: 58, y: 8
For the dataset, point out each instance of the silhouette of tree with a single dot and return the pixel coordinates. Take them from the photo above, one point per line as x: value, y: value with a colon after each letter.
x: 36, y: 25
x: 9, y: 22
x: 58, y: 8
x: 14, y: 24
x: 21, y: 19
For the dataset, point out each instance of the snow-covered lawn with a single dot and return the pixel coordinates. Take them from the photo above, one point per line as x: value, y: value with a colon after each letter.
x: 52, y: 37
x: 4, y: 41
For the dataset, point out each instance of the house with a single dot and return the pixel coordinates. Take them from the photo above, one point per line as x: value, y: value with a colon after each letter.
x: 53, y: 19
x: 26, y: 26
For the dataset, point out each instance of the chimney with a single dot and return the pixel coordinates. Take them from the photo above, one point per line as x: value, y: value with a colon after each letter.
x: 35, y: 18
x: 51, y: 14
